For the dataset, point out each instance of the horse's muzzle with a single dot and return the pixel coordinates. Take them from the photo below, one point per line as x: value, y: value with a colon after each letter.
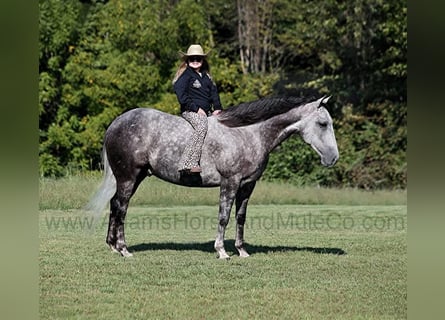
x: 329, y: 161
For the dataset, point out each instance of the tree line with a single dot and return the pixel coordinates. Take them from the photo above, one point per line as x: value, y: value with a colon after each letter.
x: 98, y: 59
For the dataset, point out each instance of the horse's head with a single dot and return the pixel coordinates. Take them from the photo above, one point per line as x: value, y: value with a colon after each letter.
x: 317, y: 130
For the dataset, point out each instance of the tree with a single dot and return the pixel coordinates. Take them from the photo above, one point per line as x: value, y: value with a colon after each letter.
x: 120, y: 59
x: 58, y: 30
x: 254, y: 34
x: 98, y: 59
x: 353, y: 48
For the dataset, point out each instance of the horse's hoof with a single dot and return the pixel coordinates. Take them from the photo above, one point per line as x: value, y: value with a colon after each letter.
x: 125, y: 253
x: 222, y: 255
x: 242, y: 252
x: 113, y: 249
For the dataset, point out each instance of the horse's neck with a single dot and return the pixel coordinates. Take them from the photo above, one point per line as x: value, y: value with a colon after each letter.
x: 279, y: 128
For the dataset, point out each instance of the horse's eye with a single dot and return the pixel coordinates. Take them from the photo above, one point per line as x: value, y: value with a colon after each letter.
x: 323, y: 124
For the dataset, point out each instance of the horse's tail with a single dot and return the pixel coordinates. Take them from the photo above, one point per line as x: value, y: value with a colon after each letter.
x: 106, y: 190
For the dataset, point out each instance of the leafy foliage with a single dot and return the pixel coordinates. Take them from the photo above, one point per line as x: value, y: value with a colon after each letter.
x: 98, y: 59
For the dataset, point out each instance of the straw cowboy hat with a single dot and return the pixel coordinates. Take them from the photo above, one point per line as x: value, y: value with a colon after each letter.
x: 194, y: 50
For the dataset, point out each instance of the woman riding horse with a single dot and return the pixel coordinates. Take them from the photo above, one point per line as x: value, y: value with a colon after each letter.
x: 196, y: 93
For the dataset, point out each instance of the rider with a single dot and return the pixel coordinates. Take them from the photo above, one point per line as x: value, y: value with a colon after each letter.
x: 197, y: 94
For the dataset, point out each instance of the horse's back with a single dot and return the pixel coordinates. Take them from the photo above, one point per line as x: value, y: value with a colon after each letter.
x: 141, y: 117
x: 142, y: 123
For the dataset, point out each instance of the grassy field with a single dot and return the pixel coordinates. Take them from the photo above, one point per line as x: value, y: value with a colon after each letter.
x: 322, y: 254
x: 74, y: 192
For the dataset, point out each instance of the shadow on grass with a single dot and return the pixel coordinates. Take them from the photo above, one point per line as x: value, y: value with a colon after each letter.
x: 230, y: 245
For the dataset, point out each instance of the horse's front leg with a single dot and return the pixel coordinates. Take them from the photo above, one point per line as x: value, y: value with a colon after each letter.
x: 227, y: 196
x: 242, y: 198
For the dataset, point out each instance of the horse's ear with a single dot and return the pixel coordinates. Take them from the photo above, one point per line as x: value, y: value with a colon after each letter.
x: 324, y: 100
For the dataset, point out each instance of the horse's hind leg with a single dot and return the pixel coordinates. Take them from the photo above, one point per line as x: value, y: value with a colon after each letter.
x: 118, y: 211
x: 242, y: 197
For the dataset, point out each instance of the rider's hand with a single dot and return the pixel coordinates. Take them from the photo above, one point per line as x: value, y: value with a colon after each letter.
x: 216, y: 112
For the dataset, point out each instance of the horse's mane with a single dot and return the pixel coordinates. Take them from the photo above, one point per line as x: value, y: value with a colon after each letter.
x: 259, y: 110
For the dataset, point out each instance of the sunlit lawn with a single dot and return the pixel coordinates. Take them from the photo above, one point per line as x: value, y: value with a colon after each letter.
x: 307, y: 262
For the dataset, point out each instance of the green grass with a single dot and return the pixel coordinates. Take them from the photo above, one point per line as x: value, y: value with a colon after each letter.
x: 74, y: 192
x: 308, y: 261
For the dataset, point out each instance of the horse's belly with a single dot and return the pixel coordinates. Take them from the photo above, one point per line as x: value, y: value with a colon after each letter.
x: 201, y: 180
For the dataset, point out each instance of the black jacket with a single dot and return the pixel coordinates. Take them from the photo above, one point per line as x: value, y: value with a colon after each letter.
x: 194, y: 91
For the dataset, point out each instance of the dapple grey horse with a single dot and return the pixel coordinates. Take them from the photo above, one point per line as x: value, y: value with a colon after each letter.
x: 143, y: 142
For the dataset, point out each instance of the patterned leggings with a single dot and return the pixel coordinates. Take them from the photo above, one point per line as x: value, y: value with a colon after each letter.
x: 192, y: 152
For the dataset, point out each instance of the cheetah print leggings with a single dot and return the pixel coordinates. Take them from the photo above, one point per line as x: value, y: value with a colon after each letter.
x: 192, y: 152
